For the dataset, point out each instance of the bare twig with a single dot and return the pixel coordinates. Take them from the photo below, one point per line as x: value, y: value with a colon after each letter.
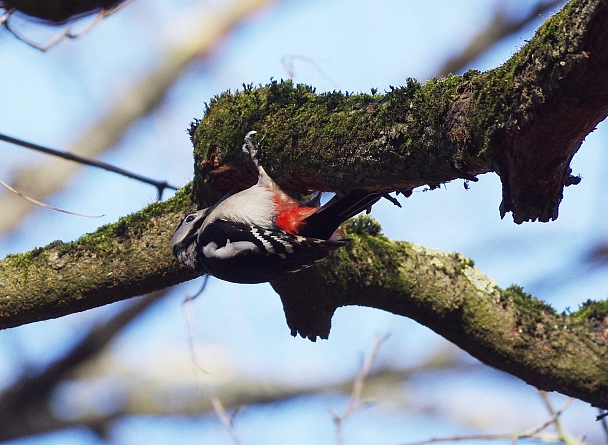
x: 561, y: 432
x: 66, y: 33
x: 354, y: 402
x: 288, y: 64
x: 227, y: 420
x: 189, y: 322
x: 41, y: 204
x: 514, y: 437
x: 160, y: 185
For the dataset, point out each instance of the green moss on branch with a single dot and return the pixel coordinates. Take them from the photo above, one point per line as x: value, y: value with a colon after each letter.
x: 507, y: 329
x: 121, y: 260
x: 503, y: 120
x: 395, y: 141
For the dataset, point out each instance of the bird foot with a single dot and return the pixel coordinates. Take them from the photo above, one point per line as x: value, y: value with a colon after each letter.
x: 252, y: 149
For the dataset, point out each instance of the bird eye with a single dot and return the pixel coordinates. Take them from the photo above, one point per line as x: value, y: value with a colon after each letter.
x: 190, y: 218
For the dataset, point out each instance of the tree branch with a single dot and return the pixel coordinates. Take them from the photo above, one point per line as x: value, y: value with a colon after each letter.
x: 507, y: 329
x: 121, y: 260
x: 138, y: 100
x: 524, y: 120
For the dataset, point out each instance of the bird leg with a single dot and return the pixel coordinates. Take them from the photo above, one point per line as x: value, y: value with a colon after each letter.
x: 252, y: 149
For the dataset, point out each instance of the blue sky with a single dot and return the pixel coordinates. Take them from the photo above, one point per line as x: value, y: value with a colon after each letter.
x: 348, y: 45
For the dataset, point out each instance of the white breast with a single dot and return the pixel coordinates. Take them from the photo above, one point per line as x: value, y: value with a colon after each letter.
x: 254, y: 206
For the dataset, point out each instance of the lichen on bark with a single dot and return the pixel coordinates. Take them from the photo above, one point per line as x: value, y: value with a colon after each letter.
x: 525, y: 120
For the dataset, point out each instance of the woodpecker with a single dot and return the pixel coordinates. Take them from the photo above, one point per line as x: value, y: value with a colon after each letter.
x: 261, y: 233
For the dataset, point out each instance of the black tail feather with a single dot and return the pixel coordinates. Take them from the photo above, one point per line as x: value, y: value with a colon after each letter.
x: 324, y: 223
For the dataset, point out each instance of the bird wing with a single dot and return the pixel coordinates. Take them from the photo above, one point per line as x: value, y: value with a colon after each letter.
x: 250, y: 254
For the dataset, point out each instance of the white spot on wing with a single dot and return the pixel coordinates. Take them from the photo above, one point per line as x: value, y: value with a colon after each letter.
x: 230, y: 250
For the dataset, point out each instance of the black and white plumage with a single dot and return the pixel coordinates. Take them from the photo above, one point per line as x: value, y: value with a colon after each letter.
x: 261, y: 233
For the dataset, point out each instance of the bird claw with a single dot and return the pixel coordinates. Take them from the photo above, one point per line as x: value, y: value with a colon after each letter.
x: 254, y: 150
x: 251, y: 148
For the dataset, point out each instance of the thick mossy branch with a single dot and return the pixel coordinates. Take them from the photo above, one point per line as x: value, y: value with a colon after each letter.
x: 558, y: 94
x: 507, y: 329
x: 335, y: 141
x: 525, y: 120
x: 128, y: 258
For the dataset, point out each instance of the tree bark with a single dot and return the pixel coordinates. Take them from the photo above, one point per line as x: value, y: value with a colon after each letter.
x: 507, y: 329
x: 129, y: 258
x: 524, y: 120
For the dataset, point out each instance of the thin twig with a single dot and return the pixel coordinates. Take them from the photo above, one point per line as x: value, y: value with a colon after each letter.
x: 288, y: 65
x: 514, y: 437
x: 354, y: 402
x: 561, y: 432
x: 42, y: 204
x: 160, y: 185
x: 66, y: 33
x: 227, y: 420
x: 44, y: 48
x: 189, y: 321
